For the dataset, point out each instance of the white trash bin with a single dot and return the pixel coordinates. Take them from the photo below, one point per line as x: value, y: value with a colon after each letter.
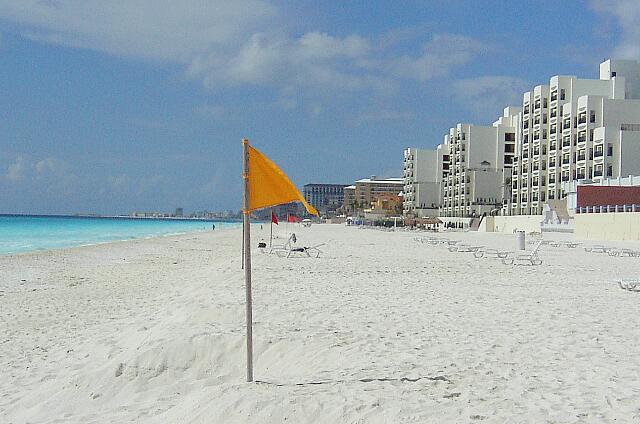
x: 520, y: 240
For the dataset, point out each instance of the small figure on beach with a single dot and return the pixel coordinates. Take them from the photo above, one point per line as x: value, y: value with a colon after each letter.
x: 213, y: 226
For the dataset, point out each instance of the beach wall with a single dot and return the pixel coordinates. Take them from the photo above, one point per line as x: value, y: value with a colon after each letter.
x: 608, y: 226
x: 487, y: 224
x: 509, y: 224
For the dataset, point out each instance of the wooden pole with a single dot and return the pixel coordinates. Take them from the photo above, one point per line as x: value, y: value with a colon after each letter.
x: 247, y: 258
x: 242, y: 261
x: 271, y: 229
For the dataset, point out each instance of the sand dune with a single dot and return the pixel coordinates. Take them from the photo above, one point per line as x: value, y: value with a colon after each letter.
x: 378, y: 329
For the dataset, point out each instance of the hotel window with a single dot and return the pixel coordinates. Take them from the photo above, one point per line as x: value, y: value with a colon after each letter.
x: 551, y: 195
x: 609, y: 149
x: 544, y: 103
x: 562, y: 94
x: 609, y: 171
x: 592, y: 116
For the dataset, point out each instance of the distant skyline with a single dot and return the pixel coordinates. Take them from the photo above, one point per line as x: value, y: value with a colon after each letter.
x: 113, y: 106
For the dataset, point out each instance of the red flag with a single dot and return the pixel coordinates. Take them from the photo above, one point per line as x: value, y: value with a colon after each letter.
x: 274, y: 219
x: 293, y: 218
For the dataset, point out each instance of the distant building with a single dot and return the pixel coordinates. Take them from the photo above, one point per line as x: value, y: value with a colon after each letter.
x: 387, y: 204
x: 179, y: 213
x: 326, y: 198
x: 367, y: 190
x: 349, y: 199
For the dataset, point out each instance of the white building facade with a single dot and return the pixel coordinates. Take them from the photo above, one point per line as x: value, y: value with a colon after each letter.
x: 480, y: 162
x: 574, y: 129
x: 423, y: 173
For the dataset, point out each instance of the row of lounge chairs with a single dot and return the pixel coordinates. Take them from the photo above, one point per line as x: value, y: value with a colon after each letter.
x: 613, y: 251
x: 507, y: 257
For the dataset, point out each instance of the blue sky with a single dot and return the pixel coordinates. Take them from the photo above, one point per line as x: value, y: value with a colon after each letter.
x: 115, y: 106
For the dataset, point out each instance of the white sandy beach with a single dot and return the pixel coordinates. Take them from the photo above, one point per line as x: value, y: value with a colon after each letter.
x: 379, y: 329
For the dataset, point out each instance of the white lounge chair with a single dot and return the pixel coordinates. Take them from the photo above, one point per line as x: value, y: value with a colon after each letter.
x: 283, y: 247
x: 598, y: 249
x: 492, y: 253
x: 311, y: 251
x: 629, y: 284
x: 530, y: 258
x: 624, y: 252
x: 463, y: 248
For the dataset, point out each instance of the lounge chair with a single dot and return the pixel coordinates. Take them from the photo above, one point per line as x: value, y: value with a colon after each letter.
x: 311, y: 251
x: 464, y: 248
x: 530, y: 258
x: 629, y: 284
x: 623, y: 252
x: 283, y: 247
x: 492, y: 253
x: 597, y: 249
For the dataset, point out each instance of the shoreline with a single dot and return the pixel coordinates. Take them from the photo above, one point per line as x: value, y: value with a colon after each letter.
x: 232, y: 226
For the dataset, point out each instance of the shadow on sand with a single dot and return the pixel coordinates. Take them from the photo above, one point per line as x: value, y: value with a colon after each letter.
x: 360, y: 380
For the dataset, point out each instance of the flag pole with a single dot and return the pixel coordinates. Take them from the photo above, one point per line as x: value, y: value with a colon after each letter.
x: 242, y: 261
x: 247, y: 257
x: 271, y: 229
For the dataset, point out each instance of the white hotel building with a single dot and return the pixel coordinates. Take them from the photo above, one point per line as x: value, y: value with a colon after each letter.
x: 572, y: 129
x: 480, y: 162
x: 576, y: 129
x: 423, y: 173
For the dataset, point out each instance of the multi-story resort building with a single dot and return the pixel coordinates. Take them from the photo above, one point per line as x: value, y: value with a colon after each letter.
x: 575, y: 129
x: 423, y: 172
x: 326, y: 198
x: 480, y: 161
x: 366, y: 190
x: 569, y: 130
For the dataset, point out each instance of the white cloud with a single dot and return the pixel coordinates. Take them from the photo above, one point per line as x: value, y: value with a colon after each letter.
x: 627, y: 15
x: 439, y: 56
x: 489, y: 94
x: 48, y: 165
x: 212, y: 111
x: 159, y: 29
x: 16, y: 170
x: 49, y: 174
x: 237, y: 43
x: 314, y: 59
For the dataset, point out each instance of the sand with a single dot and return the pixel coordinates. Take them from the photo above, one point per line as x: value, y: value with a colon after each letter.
x: 379, y: 329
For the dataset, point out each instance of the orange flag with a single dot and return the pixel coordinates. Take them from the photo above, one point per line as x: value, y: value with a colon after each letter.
x: 269, y: 186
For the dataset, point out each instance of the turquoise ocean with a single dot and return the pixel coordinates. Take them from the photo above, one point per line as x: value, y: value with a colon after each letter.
x: 25, y: 233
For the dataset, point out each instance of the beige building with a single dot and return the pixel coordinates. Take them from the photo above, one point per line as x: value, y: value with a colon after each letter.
x: 360, y: 195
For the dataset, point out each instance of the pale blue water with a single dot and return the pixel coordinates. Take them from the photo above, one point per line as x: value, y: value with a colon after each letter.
x: 20, y: 233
